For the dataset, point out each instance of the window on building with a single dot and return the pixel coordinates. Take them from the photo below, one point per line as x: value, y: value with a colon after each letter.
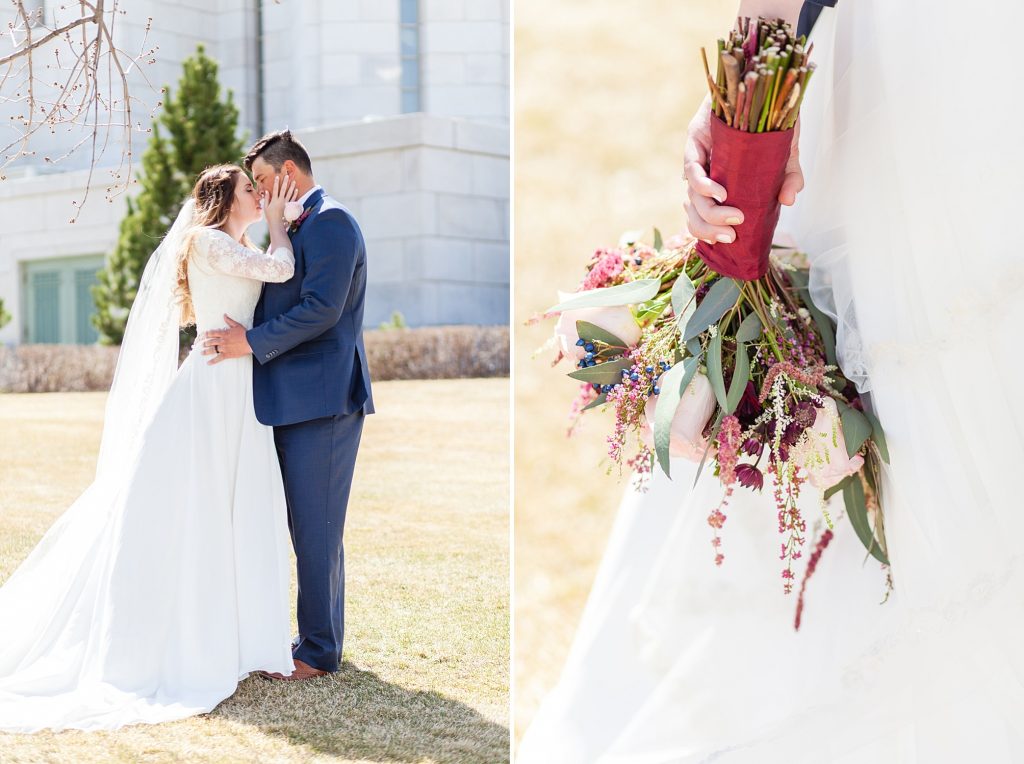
x: 409, y: 44
x: 57, y: 300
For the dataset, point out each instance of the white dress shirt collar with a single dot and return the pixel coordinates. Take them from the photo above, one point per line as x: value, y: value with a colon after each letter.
x: 302, y: 199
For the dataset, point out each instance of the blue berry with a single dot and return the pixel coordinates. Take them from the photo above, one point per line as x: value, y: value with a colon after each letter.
x: 657, y: 390
x: 638, y: 261
x: 589, y: 356
x: 649, y: 369
x: 589, y: 347
x: 634, y: 376
x: 580, y: 342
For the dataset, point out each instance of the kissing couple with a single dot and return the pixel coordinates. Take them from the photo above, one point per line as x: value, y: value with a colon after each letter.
x: 167, y: 581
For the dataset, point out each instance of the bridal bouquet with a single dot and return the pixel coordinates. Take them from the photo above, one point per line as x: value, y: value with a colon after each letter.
x: 716, y: 353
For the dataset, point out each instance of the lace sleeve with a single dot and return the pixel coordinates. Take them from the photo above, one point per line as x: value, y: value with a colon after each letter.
x: 228, y: 256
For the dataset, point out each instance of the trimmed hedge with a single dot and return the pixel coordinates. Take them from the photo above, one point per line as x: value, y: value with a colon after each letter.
x: 437, y: 352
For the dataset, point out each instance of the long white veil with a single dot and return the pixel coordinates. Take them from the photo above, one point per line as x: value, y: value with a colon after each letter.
x: 51, y: 577
x: 148, y: 358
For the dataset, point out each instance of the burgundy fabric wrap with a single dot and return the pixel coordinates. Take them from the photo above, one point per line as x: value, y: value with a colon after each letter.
x: 751, y: 168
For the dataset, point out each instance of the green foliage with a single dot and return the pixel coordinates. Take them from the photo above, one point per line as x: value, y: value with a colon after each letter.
x: 397, y: 322
x: 197, y: 129
x: 5, y: 317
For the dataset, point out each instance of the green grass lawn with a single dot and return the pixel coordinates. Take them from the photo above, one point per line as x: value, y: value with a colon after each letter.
x: 426, y: 670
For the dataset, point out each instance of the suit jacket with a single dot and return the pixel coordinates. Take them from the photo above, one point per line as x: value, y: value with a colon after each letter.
x: 307, y: 334
x: 809, y: 14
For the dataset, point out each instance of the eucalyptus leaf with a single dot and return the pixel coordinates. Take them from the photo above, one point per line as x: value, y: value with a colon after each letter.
x: 824, y: 324
x: 650, y: 309
x: 715, y: 369
x: 610, y: 297
x: 673, y: 384
x: 750, y: 328
x: 800, y: 280
x: 597, y: 401
x: 693, y: 346
x: 830, y: 492
x: 604, y: 373
x: 722, y: 296
x: 878, y: 436
x: 856, y: 510
x: 683, y: 303
x: 856, y: 427
x: 711, y: 439
x: 589, y: 332
x: 740, y: 377
x: 658, y: 243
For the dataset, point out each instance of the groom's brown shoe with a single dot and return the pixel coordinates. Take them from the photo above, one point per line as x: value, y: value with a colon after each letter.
x: 302, y: 671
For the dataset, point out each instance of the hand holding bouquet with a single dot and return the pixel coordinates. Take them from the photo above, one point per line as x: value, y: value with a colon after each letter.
x: 716, y: 353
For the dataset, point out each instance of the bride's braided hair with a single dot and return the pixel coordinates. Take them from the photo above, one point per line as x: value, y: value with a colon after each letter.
x: 214, y: 193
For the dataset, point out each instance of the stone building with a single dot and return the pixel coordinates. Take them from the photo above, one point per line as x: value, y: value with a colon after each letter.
x: 403, y: 105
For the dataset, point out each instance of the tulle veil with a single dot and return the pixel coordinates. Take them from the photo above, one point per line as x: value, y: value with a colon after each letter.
x: 146, y: 365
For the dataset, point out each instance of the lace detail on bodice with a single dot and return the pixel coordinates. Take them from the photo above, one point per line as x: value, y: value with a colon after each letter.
x: 225, y: 276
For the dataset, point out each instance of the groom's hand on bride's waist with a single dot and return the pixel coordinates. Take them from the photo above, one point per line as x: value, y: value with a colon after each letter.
x: 229, y: 342
x: 707, y: 217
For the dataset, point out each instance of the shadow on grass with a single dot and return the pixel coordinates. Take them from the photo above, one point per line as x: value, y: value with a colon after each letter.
x: 356, y: 714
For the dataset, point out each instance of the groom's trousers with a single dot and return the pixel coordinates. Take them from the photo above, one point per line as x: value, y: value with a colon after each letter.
x: 317, y: 461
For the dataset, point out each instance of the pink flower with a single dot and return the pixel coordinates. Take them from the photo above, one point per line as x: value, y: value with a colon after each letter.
x: 292, y: 210
x: 606, y: 265
x: 619, y: 321
x: 822, y: 453
x: 695, y: 408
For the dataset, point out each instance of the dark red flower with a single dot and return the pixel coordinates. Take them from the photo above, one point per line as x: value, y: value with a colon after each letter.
x: 805, y: 413
x: 749, y: 476
x: 749, y: 408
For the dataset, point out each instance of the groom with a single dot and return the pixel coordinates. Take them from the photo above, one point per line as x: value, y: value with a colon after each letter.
x: 313, y: 385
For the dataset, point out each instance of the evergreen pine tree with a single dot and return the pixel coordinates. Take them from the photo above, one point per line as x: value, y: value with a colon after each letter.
x: 201, y: 131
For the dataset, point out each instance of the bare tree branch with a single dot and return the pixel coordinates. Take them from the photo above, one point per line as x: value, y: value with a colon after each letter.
x: 91, y: 94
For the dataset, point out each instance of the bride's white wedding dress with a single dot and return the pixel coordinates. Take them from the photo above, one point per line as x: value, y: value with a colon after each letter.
x: 167, y: 580
x: 909, y: 216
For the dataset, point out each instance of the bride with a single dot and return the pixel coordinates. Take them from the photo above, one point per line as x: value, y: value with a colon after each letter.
x: 167, y: 579
x: 907, y: 218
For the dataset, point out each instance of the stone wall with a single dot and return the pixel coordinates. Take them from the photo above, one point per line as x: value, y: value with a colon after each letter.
x: 431, y: 194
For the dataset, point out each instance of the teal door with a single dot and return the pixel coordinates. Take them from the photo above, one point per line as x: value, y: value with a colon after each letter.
x: 58, y: 300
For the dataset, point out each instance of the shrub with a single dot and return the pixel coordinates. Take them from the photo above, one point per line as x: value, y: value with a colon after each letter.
x: 441, y: 352
x: 56, y: 368
x: 438, y: 352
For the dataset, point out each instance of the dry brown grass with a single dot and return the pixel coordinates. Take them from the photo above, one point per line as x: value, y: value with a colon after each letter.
x: 425, y: 677
x: 433, y: 352
x: 604, y: 91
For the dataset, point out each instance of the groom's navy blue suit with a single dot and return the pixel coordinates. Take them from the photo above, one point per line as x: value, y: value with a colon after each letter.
x: 312, y: 384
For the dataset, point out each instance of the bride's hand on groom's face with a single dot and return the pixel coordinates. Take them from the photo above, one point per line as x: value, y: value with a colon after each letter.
x: 707, y: 215
x: 285, y: 190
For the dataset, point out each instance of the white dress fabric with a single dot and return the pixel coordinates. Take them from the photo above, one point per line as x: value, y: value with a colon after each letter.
x: 909, y: 216
x: 166, y: 582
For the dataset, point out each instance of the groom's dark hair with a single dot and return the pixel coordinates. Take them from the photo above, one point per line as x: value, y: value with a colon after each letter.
x: 276, y: 149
